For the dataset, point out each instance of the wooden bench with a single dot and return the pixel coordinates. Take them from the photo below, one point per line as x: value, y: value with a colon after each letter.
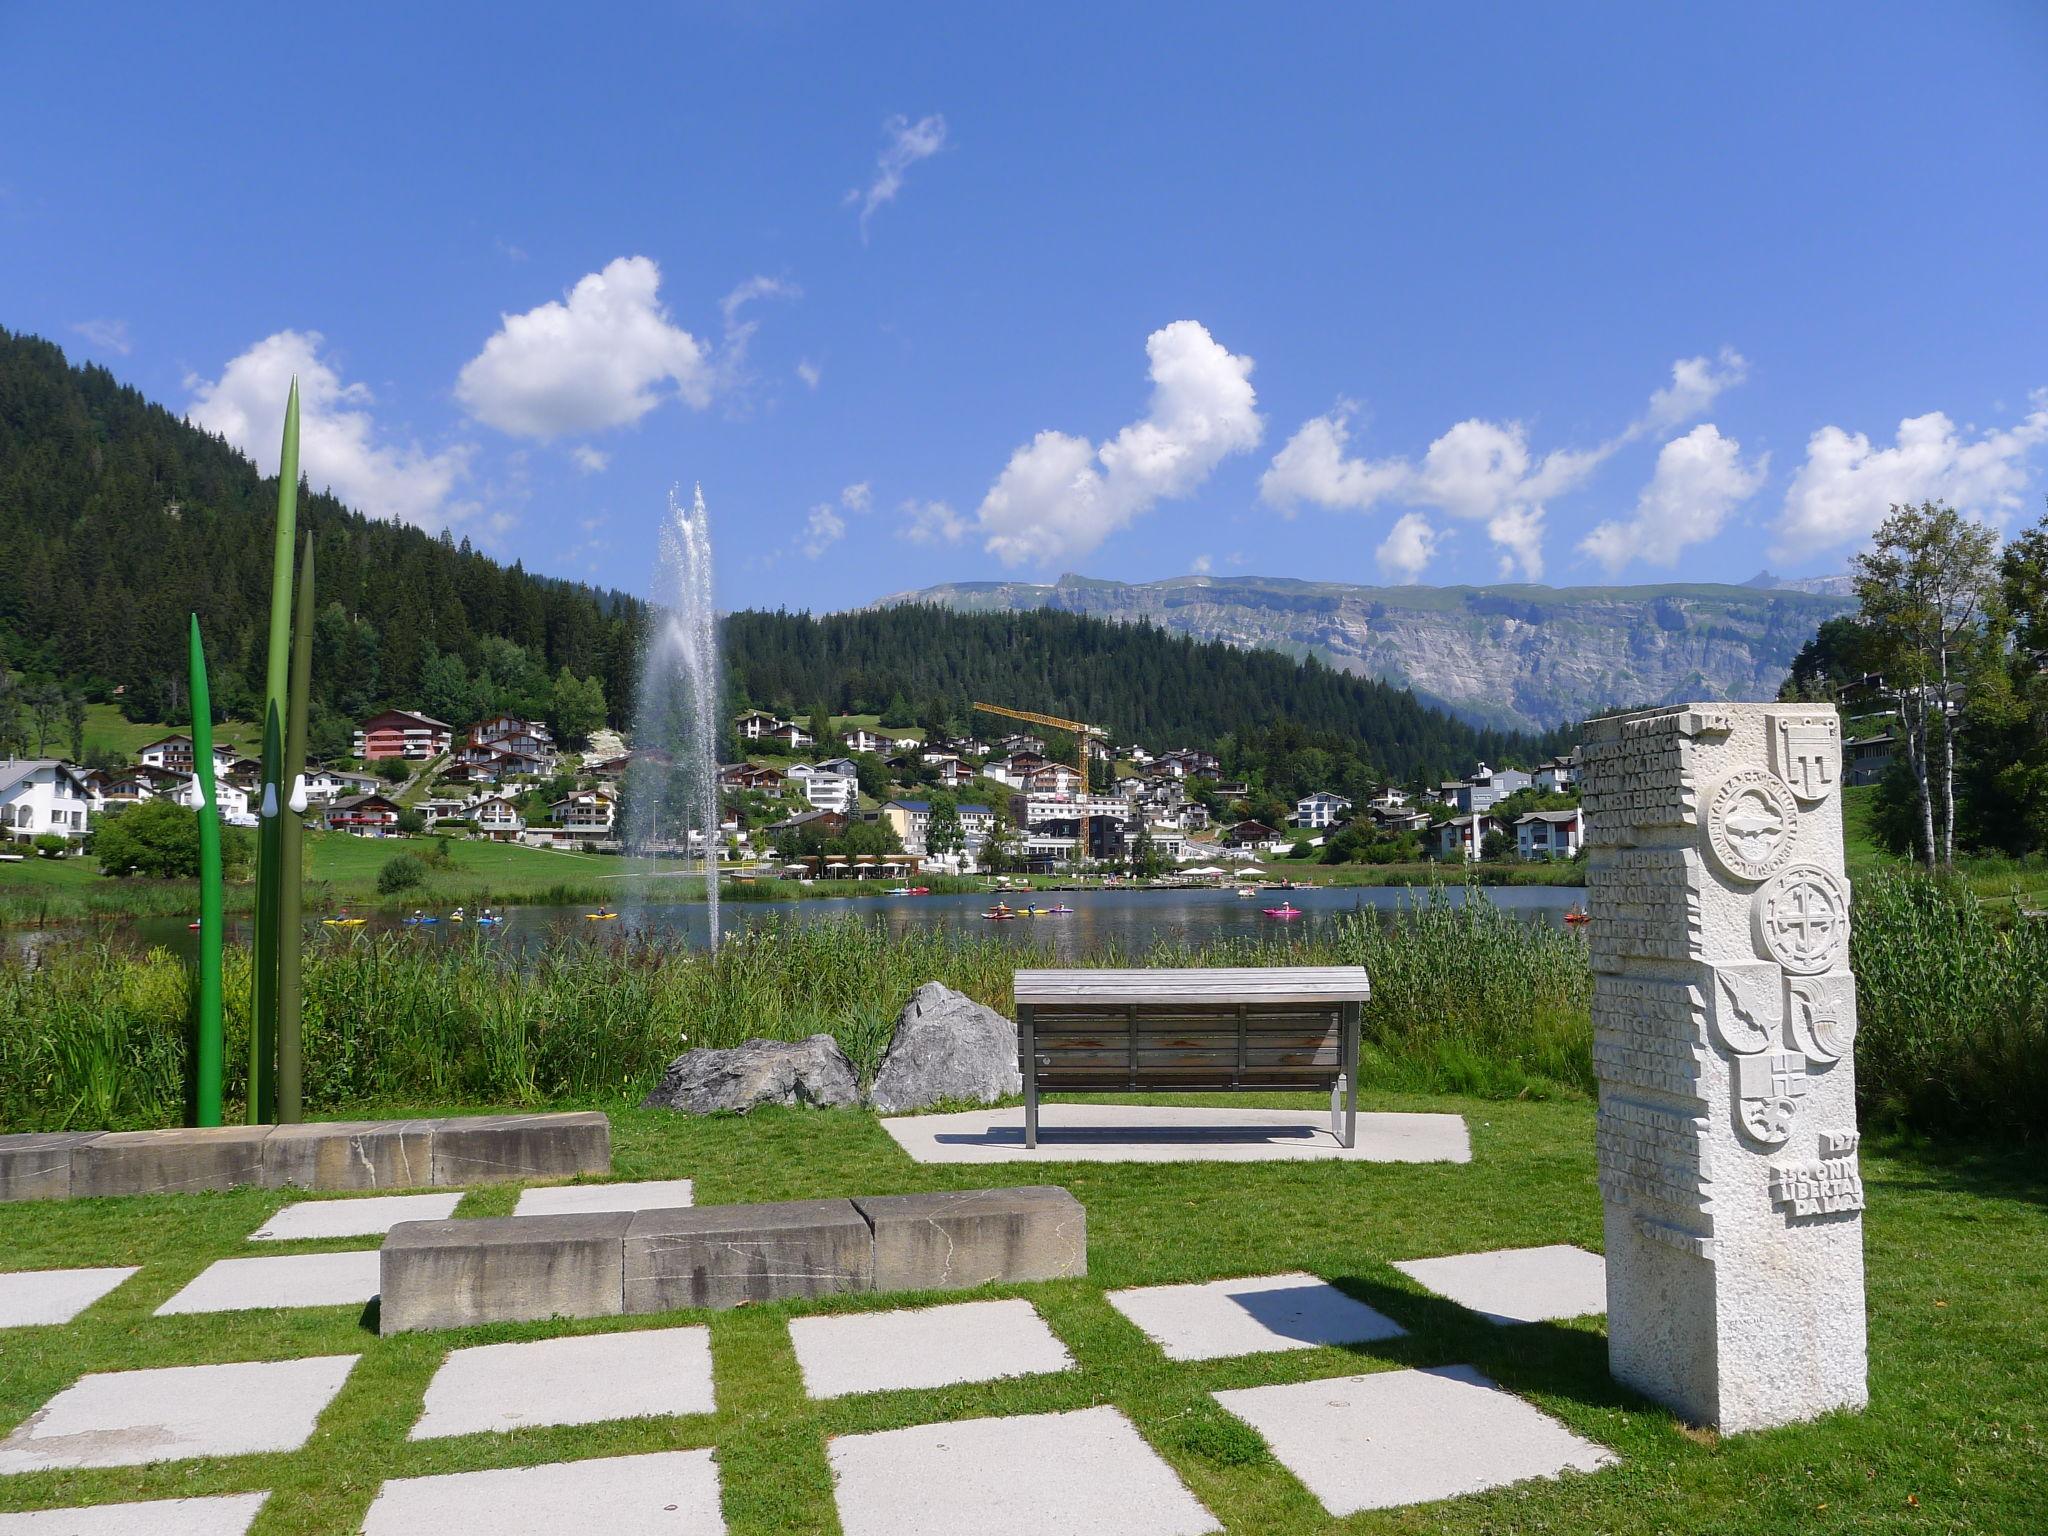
x: 1247, y: 1029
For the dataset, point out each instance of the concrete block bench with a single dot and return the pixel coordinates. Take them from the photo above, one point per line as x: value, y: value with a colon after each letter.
x: 328, y: 1154
x: 454, y: 1274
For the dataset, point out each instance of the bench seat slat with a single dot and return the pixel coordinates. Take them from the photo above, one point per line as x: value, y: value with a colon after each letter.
x: 1220, y: 984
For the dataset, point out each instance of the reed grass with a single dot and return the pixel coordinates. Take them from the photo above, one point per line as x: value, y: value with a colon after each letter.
x: 1467, y: 998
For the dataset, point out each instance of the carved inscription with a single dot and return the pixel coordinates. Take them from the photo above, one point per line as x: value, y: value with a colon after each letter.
x: 1751, y: 822
x: 1819, y: 1188
x: 1647, y: 1034
x: 1685, y: 1241
x: 1646, y: 904
x: 1638, y: 779
x: 1651, y: 1153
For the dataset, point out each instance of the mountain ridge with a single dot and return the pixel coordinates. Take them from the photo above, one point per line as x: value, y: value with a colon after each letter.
x: 1519, y: 655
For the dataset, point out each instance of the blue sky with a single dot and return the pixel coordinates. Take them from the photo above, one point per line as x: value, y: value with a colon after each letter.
x: 941, y: 293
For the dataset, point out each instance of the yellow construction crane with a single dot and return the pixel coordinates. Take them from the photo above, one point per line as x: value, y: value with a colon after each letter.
x: 1082, y: 733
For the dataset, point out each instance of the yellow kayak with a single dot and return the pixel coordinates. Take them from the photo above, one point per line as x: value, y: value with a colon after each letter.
x: 599, y: 917
x: 344, y: 922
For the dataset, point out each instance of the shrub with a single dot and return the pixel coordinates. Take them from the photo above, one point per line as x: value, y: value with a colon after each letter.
x: 401, y: 874
x: 50, y: 845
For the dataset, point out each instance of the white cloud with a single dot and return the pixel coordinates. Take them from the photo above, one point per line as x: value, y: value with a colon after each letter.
x: 1700, y: 478
x: 1846, y: 486
x: 107, y: 335
x: 602, y: 358
x: 856, y: 498
x: 739, y: 332
x: 1060, y: 496
x: 1201, y: 565
x: 1695, y: 386
x: 907, y: 144
x: 339, y: 444
x: 1478, y: 471
x: 1404, y: 554
x: 590, y: 460
x: 824, y: 529
x: 931, y: 522
x: 809, y: 372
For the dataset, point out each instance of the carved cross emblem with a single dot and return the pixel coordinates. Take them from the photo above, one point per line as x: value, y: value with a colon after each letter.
x: 1803, y: 918
x: 1768, y: 1089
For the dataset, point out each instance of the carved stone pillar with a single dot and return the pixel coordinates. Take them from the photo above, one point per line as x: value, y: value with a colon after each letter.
x: 1723, y: 1019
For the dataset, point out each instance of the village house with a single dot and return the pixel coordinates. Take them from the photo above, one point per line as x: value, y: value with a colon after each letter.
x: 1023, y: 742
x: 326, y: 785
x: 861, y: 739
x: 790, y: 737
x: 756, y: 725
x: 401, y: 733
x: 1867, y: 759
x: 1464, y: 837
x: 583, y: 816
x: 174, y: 754
x: 1556, y: 775
x: 508, y: 733
x: 1252, y: 834
x: 750, y: 776
x: 952, y: 771
x: 39, y: 795
x: 363, y: 815
x: 1321, y: 809
x: 1549, y: 834
x: 230, y: 799
x: 822, y: 823
x: 829, y: 786
x: 498, y: 819
x: 1052, y: 779
x: 1485, y: 787
x: 1170, y: 841
x: 613, y: 769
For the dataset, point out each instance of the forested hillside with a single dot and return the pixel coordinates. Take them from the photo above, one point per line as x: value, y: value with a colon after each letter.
x: 118, y: 518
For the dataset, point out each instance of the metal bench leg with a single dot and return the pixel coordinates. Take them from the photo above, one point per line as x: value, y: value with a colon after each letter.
x: 1350, y: 1078
x: 1027, y: 1042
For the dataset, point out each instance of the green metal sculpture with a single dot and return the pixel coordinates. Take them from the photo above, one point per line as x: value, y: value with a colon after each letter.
x: 209, y: 1051
x: 290, y: 1059
x: 271, y: 874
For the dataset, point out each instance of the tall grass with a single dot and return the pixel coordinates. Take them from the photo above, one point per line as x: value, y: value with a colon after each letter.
x: 1466, y: 998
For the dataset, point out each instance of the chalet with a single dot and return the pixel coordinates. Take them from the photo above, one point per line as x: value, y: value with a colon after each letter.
x: 757, y: 725
x: 173, y: 754
x: 498, y: 819
x: 442, y: 808
x: 1464, y: 837
x: 1560, y: 773
x: 750, y: 776
x: 1868, y: 758
x: 861, y: 739
x: 40, y: 795
x: 244, y: 771
x: 790, y: 736
x: 364, y: 815
x: 823, y: 823
x: 1015, y: 769
x: 230, y: 799
x: 515, y: 735
x: 585, y: 816
x: 1035, y: 745
x: 1053, y: 779
x: 1399, y: 821
x: 1251, y: 834
x: 1549, y: 834
x: 616, y: 768
x: 326, y: 785
x: 402, y: 733
x: 1390, y: 798
x: 1320, y: 810
x: 952, y: 772
x: 130, y: 786
x: 1188, y: 763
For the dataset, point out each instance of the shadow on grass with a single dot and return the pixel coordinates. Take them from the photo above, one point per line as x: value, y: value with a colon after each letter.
x: 1976, y: 1168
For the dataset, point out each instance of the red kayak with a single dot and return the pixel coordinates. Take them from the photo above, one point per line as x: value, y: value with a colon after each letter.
x: 1284, y: 910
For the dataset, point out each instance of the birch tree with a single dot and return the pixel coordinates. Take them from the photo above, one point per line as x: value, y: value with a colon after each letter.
x: 1929, y: 589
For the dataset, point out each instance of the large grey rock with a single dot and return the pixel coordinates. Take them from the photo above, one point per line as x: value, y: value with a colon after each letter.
x: 947, y: 1046
x: 360, y: 1154
x: 476, y: 1149
x: 37, y: 1166
x: 171, y: 1162
x: 721, y: 1256
x: 957, y: 1239
x: 811, y: 1071
x: 453, y: 1274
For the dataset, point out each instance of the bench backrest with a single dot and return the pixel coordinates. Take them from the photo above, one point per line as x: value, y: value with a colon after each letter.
x: 1215, y: 1028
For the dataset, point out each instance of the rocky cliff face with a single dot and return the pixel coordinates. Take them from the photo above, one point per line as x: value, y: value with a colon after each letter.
x: 1521, y: 656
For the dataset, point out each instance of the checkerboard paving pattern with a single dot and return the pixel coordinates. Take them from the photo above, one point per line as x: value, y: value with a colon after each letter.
x: 584, y: 1380
x: 1053, y: 1474
x: 371, y: 1216
x: 1518, y: 1285
x: 287, y: 1280
x: 131, y: 1418
x: 1251, y: 1316
x: 38, y: 1297
x: 1408, y: 1437
x: 924, y: 1347
x: 666, y: 1493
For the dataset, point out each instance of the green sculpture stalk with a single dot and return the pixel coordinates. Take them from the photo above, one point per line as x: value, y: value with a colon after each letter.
x: 209, y: 1048
x: 269, y: 834
x: 290, y: 934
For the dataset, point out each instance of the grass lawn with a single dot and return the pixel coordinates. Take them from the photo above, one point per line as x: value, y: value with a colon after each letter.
x: 1953, y: 1441
x: 107, y: 729
x: 1996, y: 880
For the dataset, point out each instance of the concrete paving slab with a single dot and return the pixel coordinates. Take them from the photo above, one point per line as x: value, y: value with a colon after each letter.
x: 30, y: 1297
x: 1518, y: 1285
x: 289, y: 1280
x: 371, y: 1217
x: 645, y: 1374
x: 1156, y: 1133
x: 130, y: 1418
x: 1051, y: 1474
x: 1408, y: 1437
x: 224, y: 1515
x: 924, y: 1347
x: 668, y: 1493
x: 1251, y: 1316
x: 640, y: 1195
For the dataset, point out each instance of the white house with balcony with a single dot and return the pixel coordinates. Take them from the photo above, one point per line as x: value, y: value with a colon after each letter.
x: 41, y: 795
x: 498, y: 819
x: 829, y: 786
x: 1320, y: 810
x: 584, y: 816
x: 230, y: 799
x: 1550, y: 834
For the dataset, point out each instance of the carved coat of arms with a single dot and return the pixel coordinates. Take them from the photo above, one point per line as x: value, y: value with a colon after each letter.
x: 1751, y: 821
x: 1806, y: 750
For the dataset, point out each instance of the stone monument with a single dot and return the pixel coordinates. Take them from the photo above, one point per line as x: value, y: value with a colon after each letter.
x: 1723, y: 1019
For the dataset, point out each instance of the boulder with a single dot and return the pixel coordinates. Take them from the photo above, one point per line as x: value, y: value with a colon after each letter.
x: 812, y: 1071
x: 946, y: 1046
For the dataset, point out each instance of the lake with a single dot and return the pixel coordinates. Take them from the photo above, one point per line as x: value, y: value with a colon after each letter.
x: 1128, y: 919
